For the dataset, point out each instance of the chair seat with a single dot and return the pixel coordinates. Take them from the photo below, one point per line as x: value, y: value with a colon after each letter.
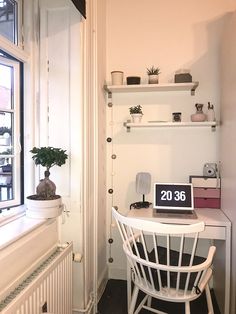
x: 166, y: 294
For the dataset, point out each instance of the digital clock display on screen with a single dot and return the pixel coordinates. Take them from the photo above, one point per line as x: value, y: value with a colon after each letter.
x: 173, y: 196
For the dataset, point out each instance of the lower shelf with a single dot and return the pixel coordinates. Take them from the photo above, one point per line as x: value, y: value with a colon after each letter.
x: 155, y: 124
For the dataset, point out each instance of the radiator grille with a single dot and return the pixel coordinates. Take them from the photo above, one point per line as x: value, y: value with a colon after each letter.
x: 48, y: 288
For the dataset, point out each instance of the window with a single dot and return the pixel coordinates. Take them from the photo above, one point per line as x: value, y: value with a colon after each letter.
x: 9, y: 20
x: 10, y: 132
x: 11, y: 104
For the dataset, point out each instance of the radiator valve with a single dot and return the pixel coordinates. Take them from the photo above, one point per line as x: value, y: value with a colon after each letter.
x: 77, y: 257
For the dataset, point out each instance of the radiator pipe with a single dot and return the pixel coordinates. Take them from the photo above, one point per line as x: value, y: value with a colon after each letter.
x: 88, y: 307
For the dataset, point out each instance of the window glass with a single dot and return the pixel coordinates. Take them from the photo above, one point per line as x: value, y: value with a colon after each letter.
x: 10, y: 157
x: 5, y: 87
x: 8, y: 20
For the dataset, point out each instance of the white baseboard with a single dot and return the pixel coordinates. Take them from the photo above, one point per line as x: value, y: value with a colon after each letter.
x: 102, y: 281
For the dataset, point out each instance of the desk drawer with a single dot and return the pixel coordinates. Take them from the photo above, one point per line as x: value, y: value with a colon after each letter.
x: 200, y: 202
x: 206, y: 192
x: 203, y: 182
x: 214, y: 232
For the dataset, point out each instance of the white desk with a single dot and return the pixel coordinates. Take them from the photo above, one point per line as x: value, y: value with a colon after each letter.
x: 218, y: 228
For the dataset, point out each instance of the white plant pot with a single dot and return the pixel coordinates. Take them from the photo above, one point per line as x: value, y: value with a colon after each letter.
x: 153, y: 79
x: 44, y: 209
x: 136, y: 117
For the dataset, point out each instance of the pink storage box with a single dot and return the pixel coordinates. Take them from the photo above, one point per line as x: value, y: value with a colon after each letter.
x: 200, y: 202
x: 206, y: 192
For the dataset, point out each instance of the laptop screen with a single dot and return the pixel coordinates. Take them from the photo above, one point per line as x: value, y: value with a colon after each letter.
x: 173, y: 196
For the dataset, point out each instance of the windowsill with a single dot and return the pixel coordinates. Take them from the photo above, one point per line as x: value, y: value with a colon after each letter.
x: 13, y: 213
x: 16, y: 226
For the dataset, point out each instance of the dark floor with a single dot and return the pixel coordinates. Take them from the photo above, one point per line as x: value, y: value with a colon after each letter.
x: 114, y: 301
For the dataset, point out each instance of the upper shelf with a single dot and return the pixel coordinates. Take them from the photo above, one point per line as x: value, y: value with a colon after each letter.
x: 130, y: 125
x: 152, y: 88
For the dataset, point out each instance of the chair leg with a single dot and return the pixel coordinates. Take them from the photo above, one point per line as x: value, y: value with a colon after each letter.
x: 133, y: 300
x: 209, y: 300
x: 149, y: 301
x: 187, y: 307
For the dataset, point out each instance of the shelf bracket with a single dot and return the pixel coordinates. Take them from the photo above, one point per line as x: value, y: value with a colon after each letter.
x: 213, y: 128
x: 194, y: 88
x: 127, y: 127
x: 108, y: 91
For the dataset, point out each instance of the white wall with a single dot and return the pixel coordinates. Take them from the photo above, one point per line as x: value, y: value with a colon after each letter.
x: 228, y: 135
x: 59, y: 114
x: 101, y: 107
x: 171, y: 35
x: 70, y: 113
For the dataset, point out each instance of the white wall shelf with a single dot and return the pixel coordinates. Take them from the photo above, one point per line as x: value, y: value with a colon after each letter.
x: 152, y: 88
x: 130, y: 125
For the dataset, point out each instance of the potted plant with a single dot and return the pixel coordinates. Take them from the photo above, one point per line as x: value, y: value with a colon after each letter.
x: 46, y: 203
x: 136, y: 113
x: 153, y: 75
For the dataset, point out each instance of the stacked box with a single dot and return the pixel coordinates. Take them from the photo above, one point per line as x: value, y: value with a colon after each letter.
x: 206, y: 192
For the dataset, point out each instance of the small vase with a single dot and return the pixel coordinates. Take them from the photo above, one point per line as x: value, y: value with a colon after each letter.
x: 199, y: 116
x: 153, y: 79
x: 211, y: 113
x: 136, y: 117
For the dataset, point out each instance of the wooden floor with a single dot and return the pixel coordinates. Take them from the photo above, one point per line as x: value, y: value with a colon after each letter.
x: 114, y: 301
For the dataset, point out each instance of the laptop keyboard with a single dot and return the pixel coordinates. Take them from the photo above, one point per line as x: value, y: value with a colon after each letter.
x: 166, y: 211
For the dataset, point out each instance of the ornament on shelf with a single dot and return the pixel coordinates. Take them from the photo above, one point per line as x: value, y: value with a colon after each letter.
x: 211, y: 113
x: 199, y: 116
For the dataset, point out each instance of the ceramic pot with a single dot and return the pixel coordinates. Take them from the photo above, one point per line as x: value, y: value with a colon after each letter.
x: 153, y: 79
x: 136, y: 117
x: 198, y: 117
x: 117, y: 77
x: 44, y: 208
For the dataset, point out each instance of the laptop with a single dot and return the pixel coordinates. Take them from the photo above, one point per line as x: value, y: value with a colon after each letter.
x: 174, y: 200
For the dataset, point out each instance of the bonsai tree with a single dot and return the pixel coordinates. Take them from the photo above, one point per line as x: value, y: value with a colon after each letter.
x: 136, y: 110
x: 47, y: 157
x: 153, y: 70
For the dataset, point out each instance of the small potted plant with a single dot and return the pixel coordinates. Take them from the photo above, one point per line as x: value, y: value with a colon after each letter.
x: 136, y: 113
x: 153, y: 75
x: 46, y: 203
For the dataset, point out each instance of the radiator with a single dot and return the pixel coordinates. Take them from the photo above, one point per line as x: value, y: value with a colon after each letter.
x: 47, y: 290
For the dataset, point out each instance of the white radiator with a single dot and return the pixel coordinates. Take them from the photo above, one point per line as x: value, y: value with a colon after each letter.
x: 47, y: 290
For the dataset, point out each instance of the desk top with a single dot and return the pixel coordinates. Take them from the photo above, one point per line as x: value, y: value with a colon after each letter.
x: 211, y: 217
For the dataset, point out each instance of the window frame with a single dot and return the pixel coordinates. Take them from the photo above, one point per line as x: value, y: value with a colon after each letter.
x: 17, y: 136
x: 16, y: 52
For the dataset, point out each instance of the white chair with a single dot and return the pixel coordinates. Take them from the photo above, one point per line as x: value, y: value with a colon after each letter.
x: 161, y: 268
